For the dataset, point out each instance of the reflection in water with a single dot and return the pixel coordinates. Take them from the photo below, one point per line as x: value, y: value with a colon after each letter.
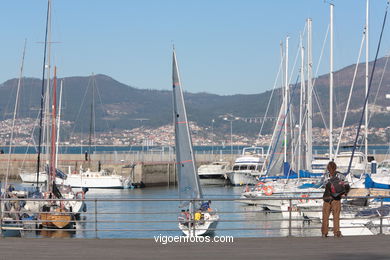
x: 56, y: 233
x: 246, y: 221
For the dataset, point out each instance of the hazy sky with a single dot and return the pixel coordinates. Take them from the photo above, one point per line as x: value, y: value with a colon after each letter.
x: 223, y: 46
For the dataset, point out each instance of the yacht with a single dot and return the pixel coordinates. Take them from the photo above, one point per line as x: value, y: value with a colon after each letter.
x: 97, y: 180
x: 213, y: 173
x: 359, y: 163
x: 319, y: 164
x: 247, y: 168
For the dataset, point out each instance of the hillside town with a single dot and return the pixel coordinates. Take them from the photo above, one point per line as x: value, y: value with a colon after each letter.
x: 164, y: 135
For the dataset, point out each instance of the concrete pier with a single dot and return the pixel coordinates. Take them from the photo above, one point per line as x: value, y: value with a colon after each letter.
x: 346, y: 248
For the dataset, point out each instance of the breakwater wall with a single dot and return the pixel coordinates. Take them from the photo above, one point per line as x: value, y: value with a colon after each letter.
x: 151, y: 169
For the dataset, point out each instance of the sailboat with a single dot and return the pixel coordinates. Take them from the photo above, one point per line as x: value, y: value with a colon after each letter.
x: 189, y: 184
x: 54, y: 214
x: 100, y: 179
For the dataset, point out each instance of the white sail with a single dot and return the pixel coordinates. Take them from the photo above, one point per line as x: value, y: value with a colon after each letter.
x: 189, y: 185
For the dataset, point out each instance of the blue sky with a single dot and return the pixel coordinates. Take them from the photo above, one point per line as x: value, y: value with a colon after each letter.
x: 223, y: 46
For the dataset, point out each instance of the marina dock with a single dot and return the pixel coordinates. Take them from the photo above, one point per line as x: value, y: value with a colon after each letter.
x: 358, y: 247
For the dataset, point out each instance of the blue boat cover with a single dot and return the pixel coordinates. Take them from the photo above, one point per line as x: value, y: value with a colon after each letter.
x: 369, y: 183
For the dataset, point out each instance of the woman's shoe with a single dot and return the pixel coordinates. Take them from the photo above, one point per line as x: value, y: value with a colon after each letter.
x: 324, y: 235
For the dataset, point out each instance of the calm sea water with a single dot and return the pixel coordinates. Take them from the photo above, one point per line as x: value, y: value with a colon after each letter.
x: 233, y: 215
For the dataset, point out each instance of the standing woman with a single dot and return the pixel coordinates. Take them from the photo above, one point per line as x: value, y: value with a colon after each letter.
x: 334, y: 190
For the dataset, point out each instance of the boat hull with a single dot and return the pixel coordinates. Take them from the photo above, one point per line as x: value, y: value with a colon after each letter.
x: 58, y: 219
x: 202, y: 228
x: 99, y: 182
x: 31, y: 177
x: 242, y: 178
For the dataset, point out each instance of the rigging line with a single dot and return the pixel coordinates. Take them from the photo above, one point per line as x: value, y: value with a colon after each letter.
x: 14, y: 118
x: 101, y: 104
x: 313, y: 90
x: 269, y: 101
x: 368, y: 91
x: 380, y: 85
x: 280, y: 111
x: 42, y: 92
x: 32, y: 140
x: 284, y: 121
x: 295, y: 63
x: 79, y: 112
x: 371, y: 115
x: 350, y: 94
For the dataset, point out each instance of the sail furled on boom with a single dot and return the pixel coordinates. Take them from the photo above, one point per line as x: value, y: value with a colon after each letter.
x: 189, y: 185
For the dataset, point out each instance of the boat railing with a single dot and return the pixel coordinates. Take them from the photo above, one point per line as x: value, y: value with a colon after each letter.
x: 146, y: 217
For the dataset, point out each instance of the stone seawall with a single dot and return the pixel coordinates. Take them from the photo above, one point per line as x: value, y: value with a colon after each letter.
x: 152, y: 169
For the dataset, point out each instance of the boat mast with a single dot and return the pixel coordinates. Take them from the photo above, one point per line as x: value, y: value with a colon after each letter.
x: 309, y: 122
x: 59, y: 123
x: 92, y: 121
x: 48, y: 89
x: 301, y: 103
x: 331, y: 86
x: 52, y: 174
x: 14, y: 118
x: 366, y: 77
x: 286, y: 100
x: 42, y: 91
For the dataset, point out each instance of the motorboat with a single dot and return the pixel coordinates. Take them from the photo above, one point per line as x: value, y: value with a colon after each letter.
x: 102, y: 179
x: 248, y: 167
x: 358, y: 166
x: 319, y: 164
x: 213, y: 173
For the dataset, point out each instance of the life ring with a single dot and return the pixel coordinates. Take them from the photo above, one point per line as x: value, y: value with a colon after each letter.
x: 304, y: 196
x: 268, y: 190
x: 82, y: 195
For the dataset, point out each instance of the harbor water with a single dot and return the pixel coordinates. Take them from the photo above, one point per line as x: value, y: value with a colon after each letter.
x: 142, y: 219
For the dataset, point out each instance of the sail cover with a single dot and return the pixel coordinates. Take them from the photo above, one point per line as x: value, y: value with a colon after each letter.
x: 189, y: 187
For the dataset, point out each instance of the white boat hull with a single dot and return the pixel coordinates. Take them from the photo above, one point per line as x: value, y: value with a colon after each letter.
x: 201, y: 228
x: 96, y: 182
x: 31, y: 177
x: 242, y: 178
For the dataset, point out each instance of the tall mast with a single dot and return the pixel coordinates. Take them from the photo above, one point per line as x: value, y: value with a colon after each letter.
x: 301, y: 103
x: 53, y: 133
x: 48, y: 89
x: 309, y: 126
x: 366, y: 114
x: 42, y: 93
x: 14, y: 118
x: 331, y: 86
x: 58, y: 123
x: 286, y: 100
x: 92, y: 122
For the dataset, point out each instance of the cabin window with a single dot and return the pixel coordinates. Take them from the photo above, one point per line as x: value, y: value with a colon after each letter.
x: 236, y: 168
x: 244, y: 167
x: 252, y: 167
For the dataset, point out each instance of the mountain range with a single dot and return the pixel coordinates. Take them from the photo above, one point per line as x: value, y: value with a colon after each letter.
x: 117, y: 106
